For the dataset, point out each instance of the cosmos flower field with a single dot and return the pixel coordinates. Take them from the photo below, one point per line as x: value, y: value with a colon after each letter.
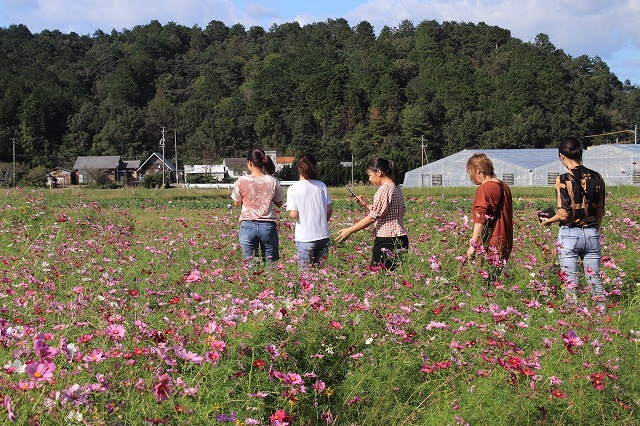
x: 135, y: 308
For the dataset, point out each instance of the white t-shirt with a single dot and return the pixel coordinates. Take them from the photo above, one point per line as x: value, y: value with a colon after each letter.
x: 310, y: 198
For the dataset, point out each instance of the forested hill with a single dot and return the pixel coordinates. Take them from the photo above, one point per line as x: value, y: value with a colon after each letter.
x: 327, y: 88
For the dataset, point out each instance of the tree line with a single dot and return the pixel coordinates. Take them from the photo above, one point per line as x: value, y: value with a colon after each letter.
x: 326, y: 88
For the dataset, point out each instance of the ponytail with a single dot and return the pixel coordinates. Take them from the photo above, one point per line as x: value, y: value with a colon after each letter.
x: 259, y: 159
x: 387, y: 167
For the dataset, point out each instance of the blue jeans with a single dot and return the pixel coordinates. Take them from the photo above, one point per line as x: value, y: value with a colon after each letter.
x: 583, y: 243
x: 259, y: 239
x: 311, y: 252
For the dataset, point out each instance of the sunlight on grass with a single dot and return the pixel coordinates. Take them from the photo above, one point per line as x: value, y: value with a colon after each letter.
x: 134, y: 307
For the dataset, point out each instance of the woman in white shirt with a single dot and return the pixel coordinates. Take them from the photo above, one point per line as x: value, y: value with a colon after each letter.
x: 309, y: 203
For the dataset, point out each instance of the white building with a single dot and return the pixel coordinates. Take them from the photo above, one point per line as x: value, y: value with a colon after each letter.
x: 216, y: 171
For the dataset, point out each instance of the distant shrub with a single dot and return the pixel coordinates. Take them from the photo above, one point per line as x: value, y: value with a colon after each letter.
x: 36, y: 176
x: 155, y: 181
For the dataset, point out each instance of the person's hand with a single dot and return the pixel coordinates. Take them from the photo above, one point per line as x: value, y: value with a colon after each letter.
x: 470, y: 252
x: 361, y: 201
x: 546, y: 222
x: 343, y: 235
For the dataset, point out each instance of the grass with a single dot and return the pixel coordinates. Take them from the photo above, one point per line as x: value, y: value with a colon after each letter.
x: 207, y: 341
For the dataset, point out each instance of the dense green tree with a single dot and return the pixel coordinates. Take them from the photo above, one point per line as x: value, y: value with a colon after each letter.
x: 327, y: 88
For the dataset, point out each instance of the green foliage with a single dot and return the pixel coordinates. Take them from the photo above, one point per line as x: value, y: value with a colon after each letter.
x: 427, y: 344
x: 325, y: 88
x: 36, y: 176
x: 154, y: 181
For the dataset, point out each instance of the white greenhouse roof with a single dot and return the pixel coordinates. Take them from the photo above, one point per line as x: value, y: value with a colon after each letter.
x: 618, y: 164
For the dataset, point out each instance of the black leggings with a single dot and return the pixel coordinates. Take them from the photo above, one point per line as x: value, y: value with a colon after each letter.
x: 387, y: 251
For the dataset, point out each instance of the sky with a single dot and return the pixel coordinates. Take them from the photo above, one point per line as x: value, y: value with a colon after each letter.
x: 604, y: 28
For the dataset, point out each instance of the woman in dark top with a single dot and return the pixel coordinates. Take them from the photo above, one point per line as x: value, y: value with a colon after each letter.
x: 580, y: 199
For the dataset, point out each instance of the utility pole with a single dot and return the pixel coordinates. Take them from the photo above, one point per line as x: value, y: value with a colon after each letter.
x: 14, y: 161
x: 175, y: 157
x: 162, y: 146
x: 423, y: 146
x: 352, y: 166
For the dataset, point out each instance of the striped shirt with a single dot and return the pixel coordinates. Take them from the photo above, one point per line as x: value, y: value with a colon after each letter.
x: 580, y: 197
x: 388, y: 211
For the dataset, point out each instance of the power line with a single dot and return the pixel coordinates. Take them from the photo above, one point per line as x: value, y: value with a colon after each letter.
x: 634, y: 131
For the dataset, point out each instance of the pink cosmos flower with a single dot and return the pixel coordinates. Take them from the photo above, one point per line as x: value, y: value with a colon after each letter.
x: 319, y: 386
x: 74, y: 394
x: 597, y: 381
x: 163, y: 388
x: 280, y: 418
x: 85, y: 338
x: 354, y: 400
x: 41, y: 371
x: 218, y: 345
x: 213, y: 356
x: 188, y: 356
x: 96, y: 355
x: 44, y: 351
x: 557, y: 393
x: 162, y: 354
x: 336, y: 325
x: 555, y: 381
x: 272, y: 350
x: 292, y: 379
x: 193, y: 277
x: 572, y: 341
x: 9, y: 407
x: 115, y: 331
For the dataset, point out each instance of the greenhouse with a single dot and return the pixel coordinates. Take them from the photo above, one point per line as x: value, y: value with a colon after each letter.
x: 619, y: 165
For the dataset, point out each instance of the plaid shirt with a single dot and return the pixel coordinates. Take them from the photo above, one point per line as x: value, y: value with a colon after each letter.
x: 388, y: 211
x: 580, y: 202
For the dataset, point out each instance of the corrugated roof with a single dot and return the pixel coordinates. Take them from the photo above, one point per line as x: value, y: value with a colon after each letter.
x: 633, y: 149
x: 130, y: 164
x: 110, y: 162
x: 525, y: 158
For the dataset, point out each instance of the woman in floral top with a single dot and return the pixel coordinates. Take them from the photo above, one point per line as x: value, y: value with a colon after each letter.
x: 257, y: 193
x: 386, y: 214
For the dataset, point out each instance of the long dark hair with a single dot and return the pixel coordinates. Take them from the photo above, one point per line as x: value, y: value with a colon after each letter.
x: 571, y: 147
x: 385, y: 166
x: 259, y: 159
x: 307, y: 167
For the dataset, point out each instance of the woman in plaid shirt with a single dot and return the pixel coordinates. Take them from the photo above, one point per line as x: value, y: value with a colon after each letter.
x: 386, y: 214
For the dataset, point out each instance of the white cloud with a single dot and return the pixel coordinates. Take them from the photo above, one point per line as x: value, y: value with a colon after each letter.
x: 85, y: 17
x: 260, y: 12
